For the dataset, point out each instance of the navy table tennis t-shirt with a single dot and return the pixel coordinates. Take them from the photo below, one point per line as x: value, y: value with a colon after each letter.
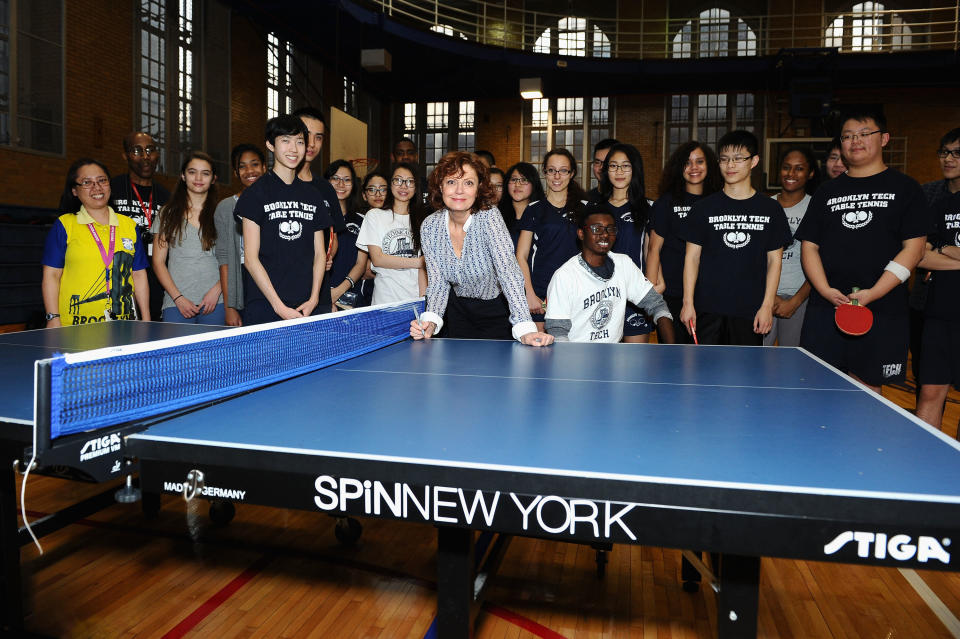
x: 734, y: 236
x: 860, y: 225
x: 943, y: 299
x: 554, y: 241
x: 668, y: 218
x: 330, y: 198
x: 288, y: 215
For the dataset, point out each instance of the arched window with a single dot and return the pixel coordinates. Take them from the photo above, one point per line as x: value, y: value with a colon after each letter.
x: 714, y: 34
x: 446, y: 29
x: 574, y: 37
x: 868, y: 26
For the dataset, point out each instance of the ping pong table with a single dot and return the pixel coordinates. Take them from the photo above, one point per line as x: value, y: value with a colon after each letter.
x: 745, y: 452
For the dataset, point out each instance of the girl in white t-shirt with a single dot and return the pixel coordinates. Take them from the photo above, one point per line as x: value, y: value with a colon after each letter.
x: 391, y: 236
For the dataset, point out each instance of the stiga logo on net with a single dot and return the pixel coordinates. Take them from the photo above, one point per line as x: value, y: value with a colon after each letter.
x: 100, y: 446
x: 899, y: 547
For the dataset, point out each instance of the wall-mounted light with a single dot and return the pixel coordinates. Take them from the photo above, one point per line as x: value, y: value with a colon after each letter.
x: 531, y: 88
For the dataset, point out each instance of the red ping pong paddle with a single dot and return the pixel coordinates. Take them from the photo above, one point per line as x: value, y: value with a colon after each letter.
x: 853, y: 318
x: 693, y: 331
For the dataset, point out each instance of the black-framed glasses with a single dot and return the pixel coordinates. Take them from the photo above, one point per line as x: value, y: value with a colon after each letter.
x: 341, y: 180
x: 399, y: 181
x: 140, y: 151
x: 561, y: 172
x: 954, y: 153
x: 620, y: 168
x: 862, y: 135
x: 600, y: 229
x: 88, y: 183
x: 519, y: 181
x: 376, y: 190
x: 736, y: 160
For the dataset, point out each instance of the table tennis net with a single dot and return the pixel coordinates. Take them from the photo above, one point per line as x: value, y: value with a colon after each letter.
x: 117, y: 385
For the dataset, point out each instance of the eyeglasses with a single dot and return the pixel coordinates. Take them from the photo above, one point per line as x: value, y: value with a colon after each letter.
x: 847, y: 137
x: 497, y: 187
x: 376, y: 190
x: 561, y: 172
x: 600, y: 229
x: 519, y: 181
x: 954, y: 153
x: 101, y: 181
x: 403, y: 181
x: 736, y: 161
x: 619, y: 168
x: 341, y: 180
x: 139, y: 151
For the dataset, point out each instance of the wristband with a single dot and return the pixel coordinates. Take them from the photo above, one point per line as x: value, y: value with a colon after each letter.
x: 901, y: 272
x: 350, y: 279
x: 178, y: 297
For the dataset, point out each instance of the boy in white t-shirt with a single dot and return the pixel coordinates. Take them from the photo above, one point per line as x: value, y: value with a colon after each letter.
x: 587, y: 297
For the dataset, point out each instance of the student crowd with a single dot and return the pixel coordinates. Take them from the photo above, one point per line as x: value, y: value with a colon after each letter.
x: 527, y: 254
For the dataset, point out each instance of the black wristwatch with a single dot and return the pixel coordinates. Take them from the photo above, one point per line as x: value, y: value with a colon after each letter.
x: 50, y: 316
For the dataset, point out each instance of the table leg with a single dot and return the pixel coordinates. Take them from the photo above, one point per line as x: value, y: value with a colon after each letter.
x: 10, y: 587
x: 455, y: 564
x: 738, y: 597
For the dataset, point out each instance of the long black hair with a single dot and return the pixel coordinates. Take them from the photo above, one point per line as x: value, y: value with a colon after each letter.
x: 366, y: 182
x: 418, y: 212
x: 354, y: 201
x: 636, y: 191
x: 528, y: 172
x: 672, y: 181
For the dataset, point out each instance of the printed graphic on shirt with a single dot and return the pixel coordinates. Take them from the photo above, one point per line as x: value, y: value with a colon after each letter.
x: 398, y: 242
x: 290, y: 213
x: 118, y: 301
x: 737, y: 227
x: 856, y: 210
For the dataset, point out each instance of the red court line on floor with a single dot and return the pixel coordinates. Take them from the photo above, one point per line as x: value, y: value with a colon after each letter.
x: 529, y: 625
x: 217, y: 600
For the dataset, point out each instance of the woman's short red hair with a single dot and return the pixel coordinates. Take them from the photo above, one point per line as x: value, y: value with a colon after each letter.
x: 452, y: 164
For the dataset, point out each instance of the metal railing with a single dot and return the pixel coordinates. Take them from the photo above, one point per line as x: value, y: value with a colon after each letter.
x: 710, y: 33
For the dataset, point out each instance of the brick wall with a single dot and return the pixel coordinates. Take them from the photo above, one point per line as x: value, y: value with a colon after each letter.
x: 498, y: 129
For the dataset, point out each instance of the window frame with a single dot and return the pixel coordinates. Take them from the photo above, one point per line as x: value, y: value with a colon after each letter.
x: 587, y: 127
x: 13, y: 73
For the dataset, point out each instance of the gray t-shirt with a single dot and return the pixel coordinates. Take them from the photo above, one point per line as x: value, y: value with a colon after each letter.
x: 791, y: 270
x: 193, y: 270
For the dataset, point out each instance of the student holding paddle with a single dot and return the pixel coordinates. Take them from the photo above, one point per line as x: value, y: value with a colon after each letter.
x: 863, y: 233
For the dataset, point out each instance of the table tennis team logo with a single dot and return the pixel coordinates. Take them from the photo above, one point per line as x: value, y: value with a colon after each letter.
x: 736, y: 239
x: 856, y: 219
x: 291, y: 229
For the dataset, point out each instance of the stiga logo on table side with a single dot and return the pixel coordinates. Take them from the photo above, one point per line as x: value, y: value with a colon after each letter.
x: 899, y: 547
x: 100, y: 446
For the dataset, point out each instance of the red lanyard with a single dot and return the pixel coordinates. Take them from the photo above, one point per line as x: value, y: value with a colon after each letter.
x: 106, y: 256
x: 148, y: 211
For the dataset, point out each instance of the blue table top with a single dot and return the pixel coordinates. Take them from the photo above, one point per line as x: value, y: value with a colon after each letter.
x: 770, y: 418
x: 19, y: 351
